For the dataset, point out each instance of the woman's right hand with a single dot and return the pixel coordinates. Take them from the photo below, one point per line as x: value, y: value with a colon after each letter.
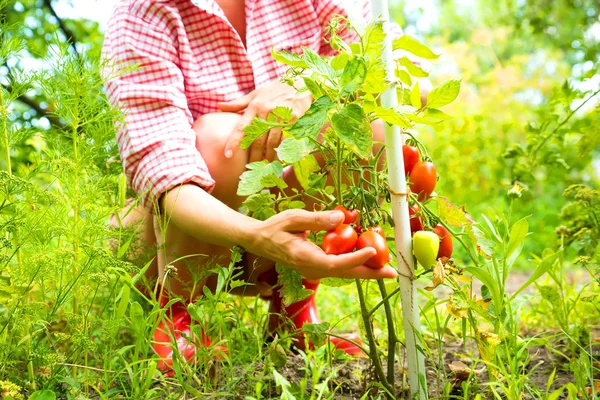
x: 283, y: 238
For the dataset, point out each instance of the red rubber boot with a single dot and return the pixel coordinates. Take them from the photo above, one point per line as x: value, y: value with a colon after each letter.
x: 176, y: 324
x: 300, y: 313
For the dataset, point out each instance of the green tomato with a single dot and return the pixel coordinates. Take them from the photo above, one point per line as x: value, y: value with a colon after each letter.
x: 425, y: 247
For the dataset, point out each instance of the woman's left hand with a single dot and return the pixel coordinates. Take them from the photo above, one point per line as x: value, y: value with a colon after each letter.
x: 259, y: 103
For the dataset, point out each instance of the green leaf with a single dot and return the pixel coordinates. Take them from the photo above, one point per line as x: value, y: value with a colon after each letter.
x: 372, y: 41
x: 415, y: 96
x: 318, y: 64
x: 518, y: 232
x: 293, y: 150
x: 45, y: 394
x: 413, y: 69
x: 292, y: 290
x: 304, y: 170
x: 310, y: 124
x: 339, y: 62
x: 257, y: 128
x: 484, y: 277
x: 391, y: 117
x: 136, y: 314
x: 415, y: 47
x: 376, y: 79
x: 285, y: 385
x: 316, y: 333
x: 352, y: 127
x: 404, y: 77
x: 123, y: 302
x: 284, y: 113
x: 451, y: 214
x: 291, y: 59
x: 444, y: 94
x: 354, y: 75
x: 437, y: 115
x: 313, y: 87
x: 543, y: 267
x: 261, y: 205
x: 257, y: 173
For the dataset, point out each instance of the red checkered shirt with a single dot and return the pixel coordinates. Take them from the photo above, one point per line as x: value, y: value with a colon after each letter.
x: 190, y: 58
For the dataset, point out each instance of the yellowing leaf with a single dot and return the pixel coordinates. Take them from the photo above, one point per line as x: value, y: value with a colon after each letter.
x: 452, y: 214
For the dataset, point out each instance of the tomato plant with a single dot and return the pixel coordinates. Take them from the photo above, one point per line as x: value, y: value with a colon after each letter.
x: 423, y: 178
x: 425, y: 247
x: 411, y: 157
x: 374, y: 239
x: 340, y: 240
x: 445, y: 241
x: 350, y: 216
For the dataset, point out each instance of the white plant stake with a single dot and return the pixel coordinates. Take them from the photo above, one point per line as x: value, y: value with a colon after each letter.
x: 397, y: 183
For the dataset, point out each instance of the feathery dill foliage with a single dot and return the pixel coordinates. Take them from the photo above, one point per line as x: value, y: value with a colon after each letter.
x: 59, y: 280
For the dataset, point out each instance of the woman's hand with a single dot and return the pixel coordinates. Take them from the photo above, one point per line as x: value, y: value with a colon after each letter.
x: 259, y: 103
x: 283, y: 238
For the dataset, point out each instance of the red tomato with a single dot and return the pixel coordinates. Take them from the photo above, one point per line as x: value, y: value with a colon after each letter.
x: 379, y: 230
x: 411, y: 157
x: 375, y: 240
x: 415, y: 222
x: 349, y: 215
x: 423, y: 178
x: 340, y: 240
x: 445, y: 241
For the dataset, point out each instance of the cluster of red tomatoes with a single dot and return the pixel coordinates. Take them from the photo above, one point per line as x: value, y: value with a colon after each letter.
x: 427, y: 246
x: 346, y: 238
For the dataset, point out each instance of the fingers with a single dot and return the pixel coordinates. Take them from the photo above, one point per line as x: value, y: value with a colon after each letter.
x: 233, y: 142
x: 302, y: 220
x: 273, y: 142
x: 237, y: 104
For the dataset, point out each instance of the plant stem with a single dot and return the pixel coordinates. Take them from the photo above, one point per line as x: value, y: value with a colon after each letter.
x: 392, y: 339
x: 374, y: 356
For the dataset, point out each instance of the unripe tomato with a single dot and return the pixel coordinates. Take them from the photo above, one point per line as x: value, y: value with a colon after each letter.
x: 425, y: 247
x: 340, y: 240
x: 411, y: 157
x: 375, y: 240
x: 349, y: 215
x: 445, y: 241
x: 415, y: 222
x: 423, y: 178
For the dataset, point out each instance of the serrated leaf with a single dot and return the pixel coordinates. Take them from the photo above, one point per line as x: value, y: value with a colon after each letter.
x: 352, y: 127
x: 484, y: 246
x: 285, y: 385
x: 291, y: 59
x: 284, y: 113
x: 305, y: 169
x: 257, y: 128
x: 292, y: 290
x: 316, y: 333
x: 310, y: 124
x: 317, y: 63
x: 261, y: 205
x: 293, y: 150
x: 444, y: 94
x: 391, y: 117
x: 354, y: 75
x: 415, y: 96
x: 451, y: 214
x: 376, y: 79
x: 372, y: 41
x: 415, y: 47
x: 413, y: 69
x: 251, y: 180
